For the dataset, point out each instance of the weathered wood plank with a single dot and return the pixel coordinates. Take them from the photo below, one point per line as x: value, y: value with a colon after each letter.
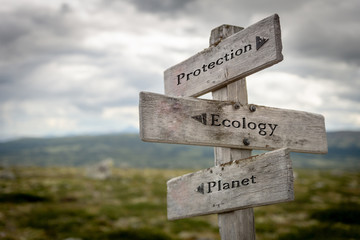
x: 256, y: 181
x: 227, y: 124
x: 248, y: 51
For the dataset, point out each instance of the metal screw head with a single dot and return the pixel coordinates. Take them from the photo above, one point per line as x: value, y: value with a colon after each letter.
x: 246, y: 142
x: 252, y: 108
x: 237, y: 105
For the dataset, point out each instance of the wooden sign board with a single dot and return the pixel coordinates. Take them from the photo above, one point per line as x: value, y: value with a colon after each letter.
x: 195, y: 121
x: 256, y: 181
x: 248, y: 51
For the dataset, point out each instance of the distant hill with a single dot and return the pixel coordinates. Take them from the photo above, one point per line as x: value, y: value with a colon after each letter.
x: 127, y: 150
x: 343, y: 152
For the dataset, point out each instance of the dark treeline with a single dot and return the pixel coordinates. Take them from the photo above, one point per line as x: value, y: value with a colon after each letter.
x: 127, y: 150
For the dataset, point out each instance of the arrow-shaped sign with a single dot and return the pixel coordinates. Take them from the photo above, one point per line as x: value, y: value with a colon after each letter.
x: 256, y: 181
x: 219, y: 123
x: 233, y: 58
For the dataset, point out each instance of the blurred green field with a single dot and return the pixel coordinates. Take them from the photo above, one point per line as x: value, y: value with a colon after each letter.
x: 62, y: 203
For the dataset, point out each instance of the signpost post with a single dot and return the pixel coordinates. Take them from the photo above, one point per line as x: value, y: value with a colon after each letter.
x: 240, y: 224
x: 238, y: 181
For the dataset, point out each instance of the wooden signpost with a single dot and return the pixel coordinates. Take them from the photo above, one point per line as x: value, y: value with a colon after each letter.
x: 238, y: 182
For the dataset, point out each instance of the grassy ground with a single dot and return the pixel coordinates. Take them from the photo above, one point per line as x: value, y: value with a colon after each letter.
x: 62, y: 203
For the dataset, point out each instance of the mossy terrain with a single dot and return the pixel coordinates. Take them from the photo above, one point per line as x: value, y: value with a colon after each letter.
x: 62, y: 203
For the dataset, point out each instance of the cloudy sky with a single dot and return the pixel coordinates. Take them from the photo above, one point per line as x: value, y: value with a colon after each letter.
x: 77, y: 67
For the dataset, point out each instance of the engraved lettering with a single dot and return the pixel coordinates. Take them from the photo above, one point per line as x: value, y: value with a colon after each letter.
x: 197, y: 72
x: 210, y: 186
x: 262, y: 127
x: 221, y: 185
x: 216, y: 120
x: 226, y: 120
x: 235, y: 182
x: 238, y: 52
x: 215, y: 62
x: 235, y: 124
x: 211, y: 65
x: 213, y: 120
x: 245, y: 181
x: 273, y: 129
x: 251, y: 125
x: 253, y: 179
x: 187, y: 76
x: 247, y: 47
x: 179, y: 77
x: 204, y: 68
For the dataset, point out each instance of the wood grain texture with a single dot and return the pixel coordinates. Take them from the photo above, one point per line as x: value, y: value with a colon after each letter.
x: 211, y: 69
x: 173, y: 120
x: 239, y: 224
x: 220, y: 33
x: 256, y: 181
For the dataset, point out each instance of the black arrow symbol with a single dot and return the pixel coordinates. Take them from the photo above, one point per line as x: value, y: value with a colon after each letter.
x: 200, y: 189
x: 260, y: 42
x: 200, y: 118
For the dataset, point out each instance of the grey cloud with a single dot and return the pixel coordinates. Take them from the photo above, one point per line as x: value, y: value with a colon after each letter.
x: 328, y: 31
x: 123, y: 96
x: 306, y: 66
x: 144, y: 80
x: 11, y: 30
x: 16, y: 86
x: 352, y: 95
x: 161, y: 6
x: 338, y: 45
x: 31, y: 37
x: 98, y: 107
x: 32, y: 31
